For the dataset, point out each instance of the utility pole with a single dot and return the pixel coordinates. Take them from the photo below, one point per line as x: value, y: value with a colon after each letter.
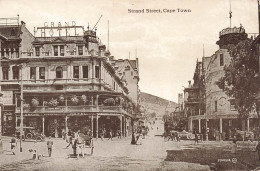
x: 21, y: 109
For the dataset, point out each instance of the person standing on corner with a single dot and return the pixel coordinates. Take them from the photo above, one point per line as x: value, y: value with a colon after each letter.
x: 196, y: 138
x: 49, y: 146
x: 258, y: 149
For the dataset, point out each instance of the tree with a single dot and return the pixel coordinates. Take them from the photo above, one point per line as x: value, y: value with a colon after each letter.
x: 240, y: 81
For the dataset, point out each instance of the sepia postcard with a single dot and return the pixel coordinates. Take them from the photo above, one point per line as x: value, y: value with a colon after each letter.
x: 129, y: 85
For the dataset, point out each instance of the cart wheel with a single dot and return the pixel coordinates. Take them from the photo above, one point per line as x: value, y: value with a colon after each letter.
x: 29, y: 136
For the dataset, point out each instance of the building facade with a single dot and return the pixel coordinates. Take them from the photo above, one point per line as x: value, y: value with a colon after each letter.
x: 218, y: 115
x: 68, y: 83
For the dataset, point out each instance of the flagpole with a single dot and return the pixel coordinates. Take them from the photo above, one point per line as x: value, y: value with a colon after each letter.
x: 230, y: 12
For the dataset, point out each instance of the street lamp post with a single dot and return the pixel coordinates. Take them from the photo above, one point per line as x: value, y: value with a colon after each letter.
x: 21, y: 109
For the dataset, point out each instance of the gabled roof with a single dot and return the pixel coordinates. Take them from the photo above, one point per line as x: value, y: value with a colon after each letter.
x: 10, y: 31
x: 133, y: 64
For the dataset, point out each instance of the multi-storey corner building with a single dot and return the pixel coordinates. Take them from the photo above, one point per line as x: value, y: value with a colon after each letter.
x: 206, y: 105
x: 68, y: 83
x: 221, y: 112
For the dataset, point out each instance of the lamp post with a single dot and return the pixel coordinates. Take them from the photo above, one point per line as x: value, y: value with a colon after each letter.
x: 21, y: 108
x: 1, y: 143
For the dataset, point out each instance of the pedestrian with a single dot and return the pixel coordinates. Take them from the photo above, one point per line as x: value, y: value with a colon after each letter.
x: 49, y: 146
x: 258, y: 149
x: 110, y: 135
x: 102, y: 134
x: 13, y: 145
x: 118, y: 134
x: 63, y: 132
x: 133, y: 138
x: 234, y: 146
x: 196, y: 138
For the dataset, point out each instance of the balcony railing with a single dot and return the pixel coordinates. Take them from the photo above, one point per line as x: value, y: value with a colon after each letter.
x: 71, y: 109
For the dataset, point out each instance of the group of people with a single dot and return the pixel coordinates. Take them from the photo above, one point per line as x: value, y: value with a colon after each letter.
x: 110, y: 134
x: 77, y: 143
x: 34, y: 149
x: 172, y: 135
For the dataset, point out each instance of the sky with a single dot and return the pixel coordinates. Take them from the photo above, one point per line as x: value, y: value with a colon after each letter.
x: 167, y: 44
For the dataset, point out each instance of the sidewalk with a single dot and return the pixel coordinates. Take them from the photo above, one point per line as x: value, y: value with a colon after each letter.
x: 8, y: 157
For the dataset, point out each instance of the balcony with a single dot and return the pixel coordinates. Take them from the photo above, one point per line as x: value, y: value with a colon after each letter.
x: 71, y: 109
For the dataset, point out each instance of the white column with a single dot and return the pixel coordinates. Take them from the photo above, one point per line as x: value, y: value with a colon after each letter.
x: 220, y: 125
x: 199, y: 126
x: 66, y: 125
x: 80, y: 72
x: 37, y: 73
x: 248, y: 126
x: 43, y: 124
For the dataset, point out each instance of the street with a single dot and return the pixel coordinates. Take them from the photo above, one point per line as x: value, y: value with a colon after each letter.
x: 118, y: 154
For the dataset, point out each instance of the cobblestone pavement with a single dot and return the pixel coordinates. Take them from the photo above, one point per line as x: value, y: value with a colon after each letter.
x: 118, y: 154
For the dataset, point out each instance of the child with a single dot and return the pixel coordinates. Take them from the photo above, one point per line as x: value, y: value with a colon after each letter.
x: 13, y: 145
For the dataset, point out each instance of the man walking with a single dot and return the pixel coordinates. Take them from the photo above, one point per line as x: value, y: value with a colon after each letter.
x: 110, y: 135
x: 49, y: 146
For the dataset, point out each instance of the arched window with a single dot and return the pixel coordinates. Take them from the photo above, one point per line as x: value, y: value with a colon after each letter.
x: 59, y: 72
x: 15, y: 72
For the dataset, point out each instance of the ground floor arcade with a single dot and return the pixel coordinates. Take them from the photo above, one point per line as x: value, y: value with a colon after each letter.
x: 222, y: 127
x: 55, y: 124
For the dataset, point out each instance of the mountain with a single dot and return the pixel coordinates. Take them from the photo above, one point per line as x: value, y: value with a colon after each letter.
x: 154, y: 104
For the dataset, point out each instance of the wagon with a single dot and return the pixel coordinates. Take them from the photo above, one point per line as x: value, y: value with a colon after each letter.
x: 88, y: 142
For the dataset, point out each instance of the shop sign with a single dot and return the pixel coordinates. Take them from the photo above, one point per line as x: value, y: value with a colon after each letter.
x: 7, y: 98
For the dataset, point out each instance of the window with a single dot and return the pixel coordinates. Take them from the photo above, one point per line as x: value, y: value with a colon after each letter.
x: 80, y: 48
x: 55, y: 50
x: 232, y: 104
x: 62, y: 50
x: 75, y: 71
x: 37, y: 51
x: 42, y: 72
x: 132, y: 73
x: 17, y: 52
x: 2, y: 52
x: 33, y: 73
x: 85, y: 71
x: 5, y: 73
x: 216, y: 106
x: 7, y: 52
x: 221, y: 59
x: 59, y: 72
x: 12, y: 52
x: 97, y: 71
x: 15, y: 72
